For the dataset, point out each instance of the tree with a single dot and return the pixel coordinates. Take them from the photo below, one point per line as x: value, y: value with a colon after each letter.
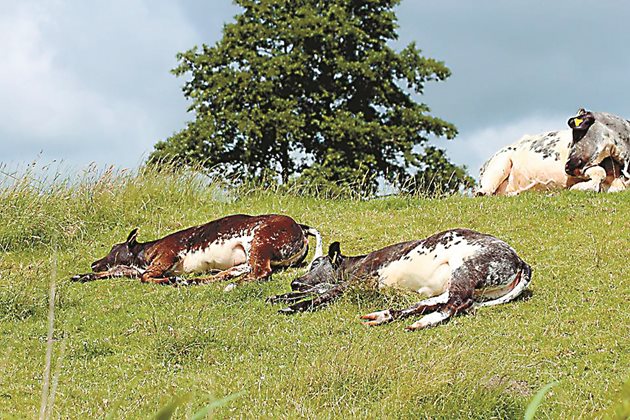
x: 308, y: 88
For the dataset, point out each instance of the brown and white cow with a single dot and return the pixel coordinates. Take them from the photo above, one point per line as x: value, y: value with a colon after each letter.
x: 537, y: 162
x: 456, y: 270
x: 599, y: 137
x: 237, y: 245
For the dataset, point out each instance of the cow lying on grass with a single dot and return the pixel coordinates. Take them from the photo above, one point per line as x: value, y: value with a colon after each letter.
x: 599, y: 137
x: 538, y: 163
x: 238, y: 245
x: 457, y: 270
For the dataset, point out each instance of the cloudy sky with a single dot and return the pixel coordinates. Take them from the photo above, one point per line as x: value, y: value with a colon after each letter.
x: 84, y: 82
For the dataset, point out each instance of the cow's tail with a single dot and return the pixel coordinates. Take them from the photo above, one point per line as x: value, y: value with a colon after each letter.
x: 524, y: 278
x: 526, y: 274
x: 518, y: 283
x: 521, y: 281
x: 319, y: 246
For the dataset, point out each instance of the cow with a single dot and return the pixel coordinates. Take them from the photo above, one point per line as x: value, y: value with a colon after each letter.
x: 244, y: 246
x: 456, y: 270
x: 599, y: 137
x: 537, y: 162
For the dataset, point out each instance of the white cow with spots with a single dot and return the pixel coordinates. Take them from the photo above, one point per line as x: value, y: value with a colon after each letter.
x: 537, y: 162
x: 455, y: 270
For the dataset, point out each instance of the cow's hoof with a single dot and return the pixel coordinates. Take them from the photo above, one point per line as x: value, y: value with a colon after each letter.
x: 229, y: 287
x: 303, y: 306
x: 616, y: 188
x: 286, y: 311
x: 177, y: 281
x: 272, y: 299
x: 585, y: 186
x: 377, y: 318
x: 418, y: 325
x: 82, y: 278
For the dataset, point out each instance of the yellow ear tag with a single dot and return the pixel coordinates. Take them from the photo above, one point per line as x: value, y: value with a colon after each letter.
x: 334, y: 259
x: 577, y: 121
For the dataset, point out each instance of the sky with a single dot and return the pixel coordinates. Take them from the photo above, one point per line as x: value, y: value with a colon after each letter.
x: 89, y: 82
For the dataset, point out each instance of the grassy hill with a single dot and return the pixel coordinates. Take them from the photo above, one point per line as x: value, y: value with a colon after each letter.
x: 127, y: 349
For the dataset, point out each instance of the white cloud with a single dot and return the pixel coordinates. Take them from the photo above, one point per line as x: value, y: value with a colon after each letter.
x: 27, y: 78
x: 90, y: 82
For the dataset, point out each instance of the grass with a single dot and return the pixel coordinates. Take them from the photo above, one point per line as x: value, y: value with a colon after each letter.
x: 127, y: 349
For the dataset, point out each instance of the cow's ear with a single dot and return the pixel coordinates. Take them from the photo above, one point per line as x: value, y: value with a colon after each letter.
x: 131, y: 239
x: 334, y: 251
x: 582, y: 121
x: 575, y: 122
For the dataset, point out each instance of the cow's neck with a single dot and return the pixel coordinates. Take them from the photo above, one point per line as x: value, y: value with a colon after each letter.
x: 350, y: 265
x: 142, y: 253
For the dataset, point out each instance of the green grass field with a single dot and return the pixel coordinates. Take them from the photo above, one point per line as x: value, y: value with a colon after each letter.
x: 128, y: 349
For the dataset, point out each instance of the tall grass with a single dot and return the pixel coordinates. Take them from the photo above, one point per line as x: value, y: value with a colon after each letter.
x: 65, y: 211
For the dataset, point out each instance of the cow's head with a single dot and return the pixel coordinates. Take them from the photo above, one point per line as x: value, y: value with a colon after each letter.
x: 324, y: 270
x: 593, y: 139
x: 120, y: 254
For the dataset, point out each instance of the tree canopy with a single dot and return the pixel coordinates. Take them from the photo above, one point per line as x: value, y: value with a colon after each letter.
x: 309, y: 88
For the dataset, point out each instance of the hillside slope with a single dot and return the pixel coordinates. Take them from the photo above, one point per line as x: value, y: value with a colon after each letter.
x: 127, y: 348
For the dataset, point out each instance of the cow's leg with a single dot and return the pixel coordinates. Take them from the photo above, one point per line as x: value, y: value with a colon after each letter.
x: 324, y: 298
x: 289, y: 297
x: 117, y: 271
x: 453, y: 307
x: 258, y: 268
x: 502, y: 188
x: 617, y: 184
x: 230, y: 273
x: 461, y: 292
x: 596, y: 176
x: 422, y: 307
x: 459, y: 299
x: 156, y: 271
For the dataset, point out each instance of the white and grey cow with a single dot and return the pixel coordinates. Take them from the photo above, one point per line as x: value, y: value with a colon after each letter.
x: 456, y: 270
x: 598, y: 137
x: 537, y: 162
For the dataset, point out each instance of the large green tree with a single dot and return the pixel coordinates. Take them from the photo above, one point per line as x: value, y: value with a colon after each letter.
x: 309, y: 88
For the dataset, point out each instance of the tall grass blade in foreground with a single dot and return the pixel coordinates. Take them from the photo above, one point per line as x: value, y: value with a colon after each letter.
x: 55, y: 380
x: 203, y: 413
x: 168, y: 410
x: 533, y: 405
x: 49, y: 341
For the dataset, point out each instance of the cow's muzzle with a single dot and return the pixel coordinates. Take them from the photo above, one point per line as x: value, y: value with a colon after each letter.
x: 296, y: 285
x: 575, y: 167
x: 98, y: 266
